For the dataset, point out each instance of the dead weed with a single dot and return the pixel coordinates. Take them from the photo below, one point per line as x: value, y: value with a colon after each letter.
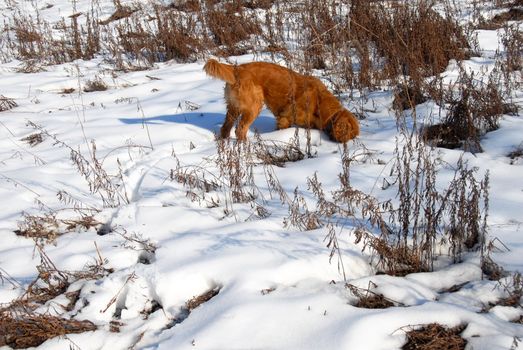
x: 368, y: 299
x: 435, y: 337
x: 31, y: 330
x: 202, y: 298
x: 6, y: 103
x: 34, y: 139
x: 47, y: 227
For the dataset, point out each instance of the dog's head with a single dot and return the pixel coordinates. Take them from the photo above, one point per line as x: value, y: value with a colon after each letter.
x: 342, y: 126
x: 339, y: 123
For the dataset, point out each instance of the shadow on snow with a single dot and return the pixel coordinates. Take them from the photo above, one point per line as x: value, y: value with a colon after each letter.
x: 209, y: 121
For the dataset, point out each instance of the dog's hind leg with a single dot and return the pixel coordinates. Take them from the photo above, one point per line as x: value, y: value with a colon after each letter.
x: 232, y: 112
x: 251, y: 102
x: 230, y: 118
x: 248, y: 116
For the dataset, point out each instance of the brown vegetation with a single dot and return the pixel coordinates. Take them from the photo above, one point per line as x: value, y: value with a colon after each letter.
x: 6, y: 103
x: 202, y: 298
x: 474, y: 108
x: 47, y: 227
x: 368, y: 299
x: 435, y: 337
x: 26, y: 330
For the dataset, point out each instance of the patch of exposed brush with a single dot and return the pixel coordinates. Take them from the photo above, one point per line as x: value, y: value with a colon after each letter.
x: 492, y: 270
x: 120, y: 12
x: 513, y: 287
x: 434, y: 337
x: 95, y: 84
x: 516, y: 155
x: 34, y: 139
x: 369, y: 299
x: 474, y: 108
x: 228, y: 177
x: 67, y: 91
x: 6, y: 103
x: 231, y: 39
x: 43, y: 227
x: 52, y: 282
x: 202, y: 298
x: 192, y: 304
x: 26, y: 330
x: 47, y: 227
x: 498, y: 21
x: 408, y: 236
x: 23, y: 325
x: 279, y: 153
x: 394, y: 259
x: 407, y: 96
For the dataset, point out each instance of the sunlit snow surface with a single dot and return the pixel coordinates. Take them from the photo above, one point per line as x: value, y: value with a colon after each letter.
x: 304, y: 304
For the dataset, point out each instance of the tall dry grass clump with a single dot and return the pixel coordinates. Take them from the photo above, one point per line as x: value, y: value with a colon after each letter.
x: 30, y: 37
x: 359, y: 43
x: 473, y: 106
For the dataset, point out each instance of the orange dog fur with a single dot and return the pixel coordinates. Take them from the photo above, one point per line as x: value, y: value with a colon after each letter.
x: 293, y: 98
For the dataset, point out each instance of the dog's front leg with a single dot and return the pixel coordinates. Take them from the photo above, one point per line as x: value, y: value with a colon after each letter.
x: 282, y: 122
x: 246, y: 120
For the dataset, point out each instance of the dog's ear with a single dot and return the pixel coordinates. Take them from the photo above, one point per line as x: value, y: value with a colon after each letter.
x: 343, y: 126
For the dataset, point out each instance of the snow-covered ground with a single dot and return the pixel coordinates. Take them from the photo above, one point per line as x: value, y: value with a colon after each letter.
x: 277, y: 288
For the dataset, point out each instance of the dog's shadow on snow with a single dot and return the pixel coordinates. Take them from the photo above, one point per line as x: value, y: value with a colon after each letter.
x: 205, y: 120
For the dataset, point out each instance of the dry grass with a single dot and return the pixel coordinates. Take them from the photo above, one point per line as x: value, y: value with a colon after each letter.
x: 46, y: 228
x: 34, y: 139
x: 231, y: 39
x: 41, y: 227
x: 368, y: 299
x: 435, y: 337
x: 408, y: 236
x: 516, y: 154
x: 360, y: 44
x: 202, y: 298
x: 30, y: 330
x: 491, y: 270
x: 21, y: 327
x: 501, y: 19
x: 395, y: 259
x: 52, y: 282
x: 91, y: 168
x: 119, y: 13
x: 6, y: 103
x: 279, y: 153
x: 67, y: 91
x: 512, y: 40
x: 474, y: 109
x: 96, y: 84
x: 514, y: 288
x: 192, y: 304
x: 407, y: 96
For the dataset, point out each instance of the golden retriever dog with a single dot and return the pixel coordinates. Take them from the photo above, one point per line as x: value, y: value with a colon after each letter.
x: 293, y: 98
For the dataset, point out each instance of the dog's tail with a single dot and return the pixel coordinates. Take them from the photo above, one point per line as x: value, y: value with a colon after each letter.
x: 219, y: 70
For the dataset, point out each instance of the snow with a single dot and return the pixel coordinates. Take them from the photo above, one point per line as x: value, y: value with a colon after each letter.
x: 277, y: 288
